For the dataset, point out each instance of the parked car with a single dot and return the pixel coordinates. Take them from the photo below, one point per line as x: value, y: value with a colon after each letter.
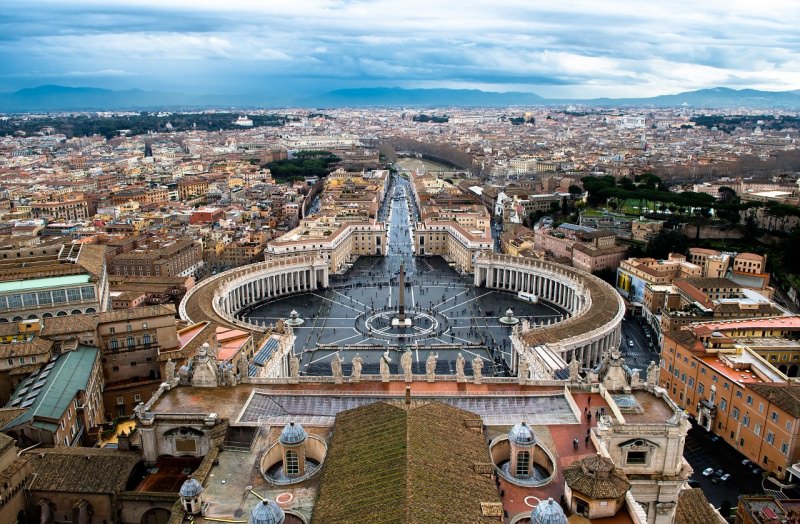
x: 630, y: 343
x: 725, y: 477
x: 746, y: 462
x: 719, y: 472
x: 757, y: 470
x: 715, y: 438
x: 708, y: 472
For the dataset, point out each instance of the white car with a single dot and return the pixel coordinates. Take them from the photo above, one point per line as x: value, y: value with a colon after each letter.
x: 708, y: 472
x: 630, y: 343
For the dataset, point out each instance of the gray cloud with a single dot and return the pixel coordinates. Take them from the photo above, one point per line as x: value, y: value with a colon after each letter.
x: 566, y: 47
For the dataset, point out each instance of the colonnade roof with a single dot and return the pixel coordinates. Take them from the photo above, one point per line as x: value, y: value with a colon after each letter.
x: 605, y: 302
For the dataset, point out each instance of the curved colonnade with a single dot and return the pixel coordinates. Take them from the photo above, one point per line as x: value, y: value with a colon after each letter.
x: 594, y: 310
x: 220, y: 298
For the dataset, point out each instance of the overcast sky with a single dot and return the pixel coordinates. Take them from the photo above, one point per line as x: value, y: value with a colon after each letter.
x: 560, y: 48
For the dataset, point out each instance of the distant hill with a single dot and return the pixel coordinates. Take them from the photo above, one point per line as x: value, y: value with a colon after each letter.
x: 717, y: 97
x: 60, y: 98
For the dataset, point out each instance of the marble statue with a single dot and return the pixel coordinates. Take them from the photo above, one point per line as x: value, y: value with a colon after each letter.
x: 384, y: 366
x: 574, y: 369
x: 430, y: 365
x: 294, y: 367
x: 169, y: 370
x: 336, y: 368
x: 355, y: 374
x: 522, y: 371
x: 653, y: 372
x: 460, y: 367
x: 477, y: 369
x: 406, y: 362
x: 139, y: 410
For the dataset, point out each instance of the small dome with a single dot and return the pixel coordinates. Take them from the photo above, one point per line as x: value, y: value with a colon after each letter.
x: 191, y: 488
x: 522, y: 435
x: 267, y: 512
x: 292, y: 434
x: 548, y: 512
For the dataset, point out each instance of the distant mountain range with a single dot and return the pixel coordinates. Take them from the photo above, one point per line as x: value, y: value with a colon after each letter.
x: 60, y: 98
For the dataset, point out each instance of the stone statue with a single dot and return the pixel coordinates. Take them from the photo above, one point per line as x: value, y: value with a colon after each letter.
x: 139, y: 410
x: 336, y: 368
x: 294, y: 368
x: 460, y: 367
x: 430, y: 364
x: 522, y: 371
x: 406, y: 363
x: 228, y: 375
x: 477, y: 369
x: 574, y: 370
x: 652, y: 374
x: 384, y: 366
x: 169, y: 370
x: 355, y: 374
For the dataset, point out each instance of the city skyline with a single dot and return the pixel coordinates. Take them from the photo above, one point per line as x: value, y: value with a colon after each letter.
x: 557, y: 50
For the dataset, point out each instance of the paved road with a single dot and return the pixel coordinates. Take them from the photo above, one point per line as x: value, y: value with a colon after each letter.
x: 641, y: 353
x: 701, y: 453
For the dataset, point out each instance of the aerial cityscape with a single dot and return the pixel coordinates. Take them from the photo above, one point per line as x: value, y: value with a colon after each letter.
x: 377, y: 262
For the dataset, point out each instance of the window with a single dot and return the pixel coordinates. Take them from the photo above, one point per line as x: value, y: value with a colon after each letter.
x: 789, y: 426
x: 293, y: 464
x: 112, y: 330
x: 691, y: 382
x: 746, y: 421
x: 636, y: 457
x: 131, y: 342
x: 785, y: 448
x: 714, y: 378
x: 735, y: 413
x: 128, y: 328
x: 738, y: 394
x: 770, y: 437
x: 114, y: 344
x: 761, y: 407
x: 723, y: 404
x: 726, y: 386
x: 74, y: 295
x: 757, y: 430
x: 774, y: 416
x: 703, y: 371
x: 137, y: 397
x: 11, y: 362
x: 144, y: 325
x: 145, y: 339
x: 749, y: 400
x: 700, y: 388
x: 120, y: 401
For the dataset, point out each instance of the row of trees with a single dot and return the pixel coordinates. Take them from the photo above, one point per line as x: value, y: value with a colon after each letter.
x: 110, y: 126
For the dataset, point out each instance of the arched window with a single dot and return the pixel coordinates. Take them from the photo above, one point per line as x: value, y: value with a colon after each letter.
x: 131, y: 342
x: 292, y: 465
x: 523, y: 463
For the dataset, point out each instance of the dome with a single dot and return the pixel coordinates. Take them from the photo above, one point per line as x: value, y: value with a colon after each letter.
x: 522, y: 435
x: 597, y: 478
x: 292, y: 434
x: 548, y: 512
x: 267, y: 512
x: 191, y: 488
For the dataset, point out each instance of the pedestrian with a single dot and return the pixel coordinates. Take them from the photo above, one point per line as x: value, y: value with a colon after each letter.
x: 589, y: 417
x: 589, y: 401
x: 586, y: 440
x: 587, y: 432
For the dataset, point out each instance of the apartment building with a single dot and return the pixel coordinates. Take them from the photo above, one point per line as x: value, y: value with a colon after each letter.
x: 724, y: 375
x: 67, y: 209
x: 167, y: 258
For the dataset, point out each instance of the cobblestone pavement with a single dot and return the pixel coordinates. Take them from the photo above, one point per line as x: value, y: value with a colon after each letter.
x: 338, y: 320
